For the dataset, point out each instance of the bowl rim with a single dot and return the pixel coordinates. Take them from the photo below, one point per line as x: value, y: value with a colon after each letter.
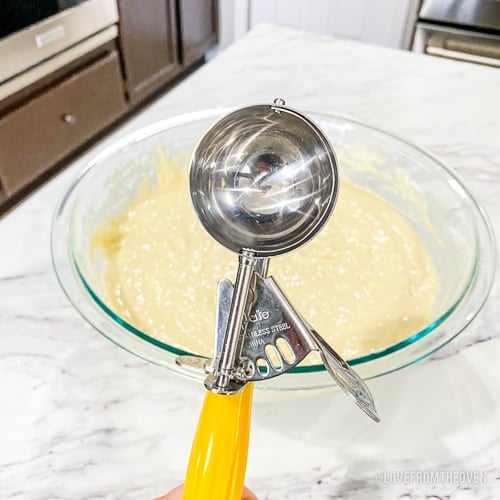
x: 59, y: 234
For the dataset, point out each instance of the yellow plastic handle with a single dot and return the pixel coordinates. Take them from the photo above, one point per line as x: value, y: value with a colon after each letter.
x: 216, y: 469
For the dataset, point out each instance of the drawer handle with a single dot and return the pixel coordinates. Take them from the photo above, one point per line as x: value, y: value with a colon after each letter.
x: 69, y: 119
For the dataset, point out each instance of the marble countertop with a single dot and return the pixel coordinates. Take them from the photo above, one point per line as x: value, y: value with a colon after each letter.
x: 82, y: 418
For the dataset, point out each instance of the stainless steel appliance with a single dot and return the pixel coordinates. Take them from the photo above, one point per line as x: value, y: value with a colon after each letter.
x: 37, y: 37
x: 464, y: 30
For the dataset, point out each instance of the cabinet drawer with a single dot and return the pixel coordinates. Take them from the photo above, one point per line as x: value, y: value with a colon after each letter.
x: 44, y: 130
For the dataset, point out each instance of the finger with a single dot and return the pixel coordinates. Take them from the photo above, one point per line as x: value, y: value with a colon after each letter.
x: 175, y: 494
x: 248, y: 495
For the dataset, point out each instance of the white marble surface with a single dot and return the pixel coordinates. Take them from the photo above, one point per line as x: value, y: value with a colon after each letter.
x: 83, y: 419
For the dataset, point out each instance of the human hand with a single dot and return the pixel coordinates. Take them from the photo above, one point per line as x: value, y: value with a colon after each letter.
x: 176, y: 494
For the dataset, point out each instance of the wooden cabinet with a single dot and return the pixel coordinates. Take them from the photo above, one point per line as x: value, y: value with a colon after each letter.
x: 46, y: 121
x: 148, y: 40
x: 161, y: 38
x: 198, y: 28
x: 3, y: 197
x: 48, y: 127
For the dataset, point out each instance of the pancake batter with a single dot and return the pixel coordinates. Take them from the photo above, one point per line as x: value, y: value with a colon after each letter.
x: 365, y: 282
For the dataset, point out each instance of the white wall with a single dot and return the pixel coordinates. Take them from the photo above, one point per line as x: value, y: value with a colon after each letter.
x: 381, y: 22
x: 233, y: 20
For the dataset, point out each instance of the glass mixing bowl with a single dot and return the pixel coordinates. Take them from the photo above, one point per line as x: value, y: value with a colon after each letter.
x: 431, y: 197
